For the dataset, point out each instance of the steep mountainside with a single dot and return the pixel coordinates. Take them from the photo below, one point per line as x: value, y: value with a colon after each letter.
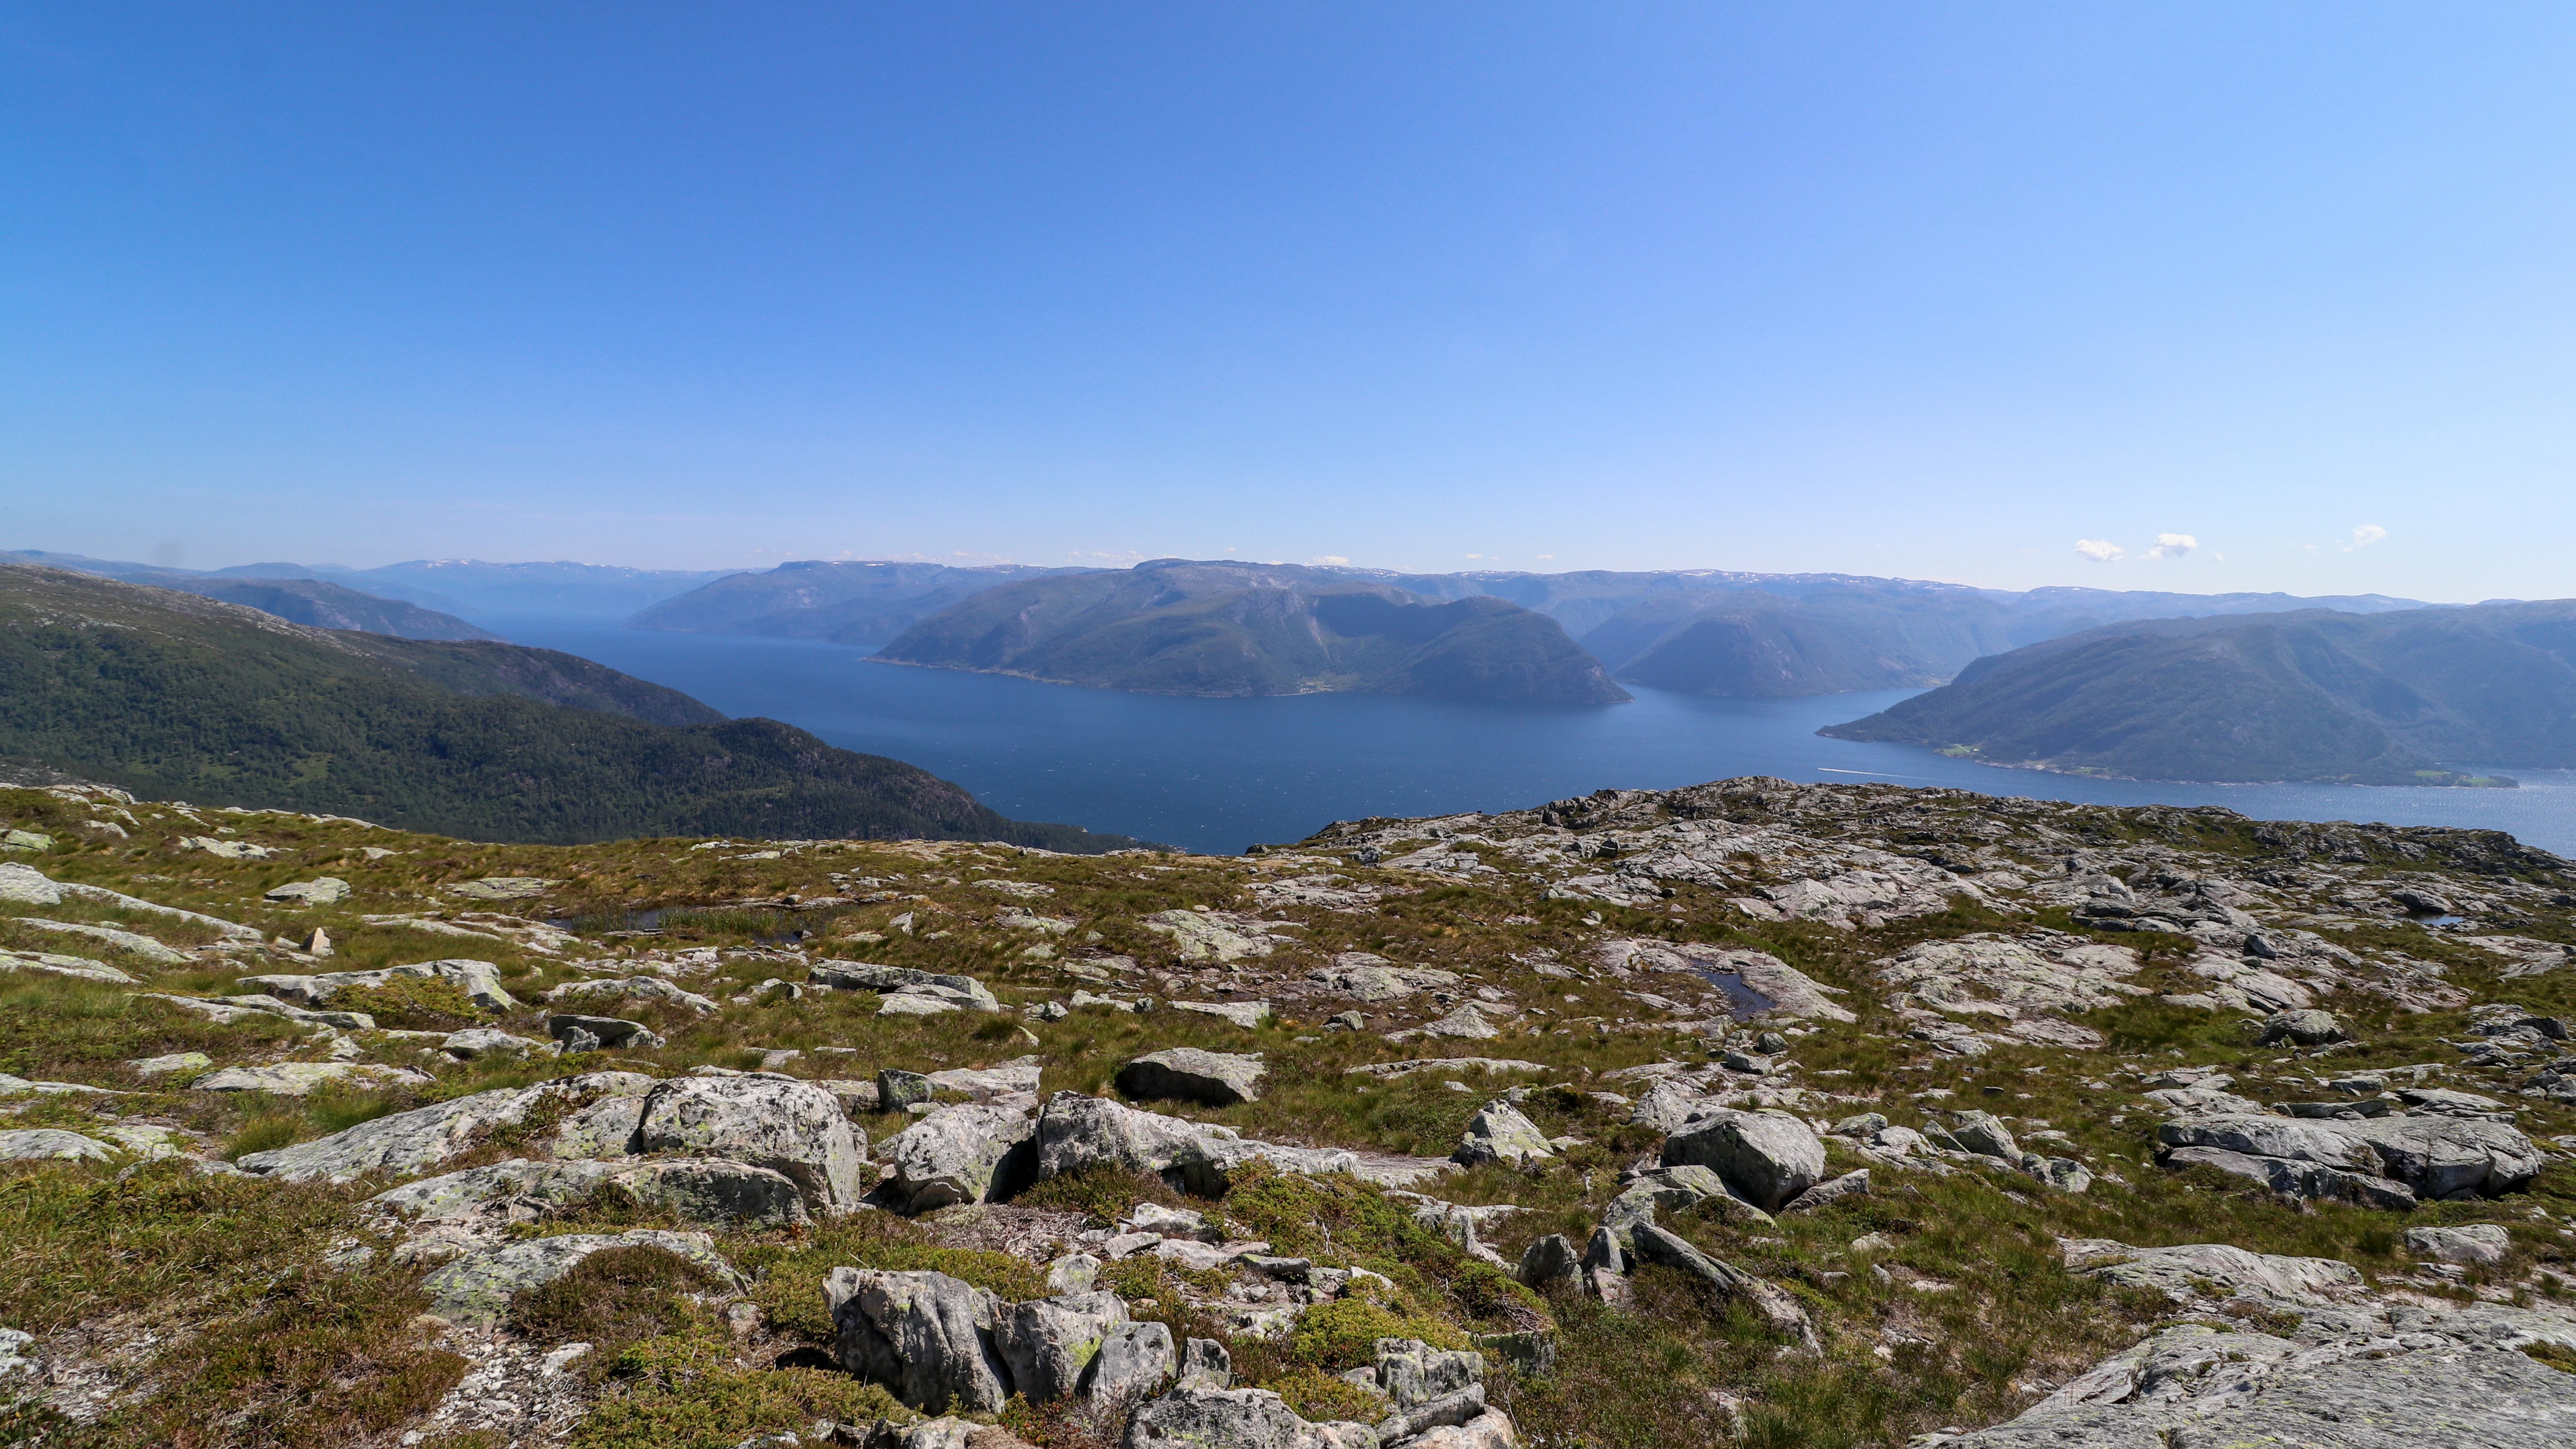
x: 209, y: 702
x: 1174, y: 626
x: 2314, y: 695
x: 324, y: 605
x: 1746, y: 1114
x: 847, y: 603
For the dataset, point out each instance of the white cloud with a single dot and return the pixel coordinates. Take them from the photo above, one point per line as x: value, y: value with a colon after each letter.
x: 1328, y: 560
x: 2364, y: 536
x: 1548, y: 556
x: 2173, y: 545
x: 1475, y: 555
x: 2099, y: 550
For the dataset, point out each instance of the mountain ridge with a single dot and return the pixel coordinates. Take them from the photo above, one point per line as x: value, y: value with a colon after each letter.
x: 197, y: 699
x: 2311, y: 695
x: 1226, y: 628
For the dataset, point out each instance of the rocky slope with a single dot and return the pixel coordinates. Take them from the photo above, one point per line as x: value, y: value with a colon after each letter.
x: 211, y: 702
x: 1173, y: 626
x: 1750, y: 1112
x: 2380, y: 700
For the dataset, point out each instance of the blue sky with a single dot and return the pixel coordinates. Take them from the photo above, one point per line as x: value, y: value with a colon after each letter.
x: 1932, y: 290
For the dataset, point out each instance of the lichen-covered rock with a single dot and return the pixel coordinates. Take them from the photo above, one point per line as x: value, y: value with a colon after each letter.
x: 297, y: 1079
x: 925, y: 1336
x: 1500, y: 1133
x: 1551, y: 1259
x: 2307, y: 1028
x: 2476, y: 1243
x: 2430, y: 1156
x: 1765, y: 1158
x: 2182, y: 1273
x: 1218, y: 1079
x: 49, y: 1143
x: 421, y: 1138
x: 1135, y: 1361
x: 957, y: 991
x: 1198, y: 1416
x: 477, y: 1288
x: 633, y: 988
x: 792, y: 1128
x: 1366, y: 977
x: 1210, y: 935
x: 2194, y: 1385
x: 475, y: 1043
x: 1985, y: 1135
x: 1049, y: 1344
x: 956, y: 1154
x: 479, y: 980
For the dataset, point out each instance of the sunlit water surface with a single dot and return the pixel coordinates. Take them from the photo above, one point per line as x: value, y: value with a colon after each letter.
x: 1218, y: 774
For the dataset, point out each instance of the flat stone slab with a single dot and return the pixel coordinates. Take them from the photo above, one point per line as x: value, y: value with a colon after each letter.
x: 503, y: 888
x: 1246, y: 1014
x: 1219, y: 1079
x: 478, y: 1288
x: 296, y: 1079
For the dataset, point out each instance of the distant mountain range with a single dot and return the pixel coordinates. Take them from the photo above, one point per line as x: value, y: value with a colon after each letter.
x: 179, y: 696
x: 846, y: 603
x: 1698, y: 631
x: 1173, y: 626
x: 2311, y: 695
x: 450, y: 586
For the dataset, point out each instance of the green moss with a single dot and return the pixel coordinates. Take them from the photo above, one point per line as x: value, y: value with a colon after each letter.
x: 1319, y: 1397
x: 689, y: 1391
x: 1343, y: 1333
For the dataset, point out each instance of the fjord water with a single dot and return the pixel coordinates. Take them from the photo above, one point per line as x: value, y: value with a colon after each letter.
x: 1218, y: 774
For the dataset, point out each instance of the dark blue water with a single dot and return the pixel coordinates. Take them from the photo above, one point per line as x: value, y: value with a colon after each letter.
x: 1218, y: 774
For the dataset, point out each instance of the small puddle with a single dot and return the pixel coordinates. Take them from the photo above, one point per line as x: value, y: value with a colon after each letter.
x: 1742, y: 1001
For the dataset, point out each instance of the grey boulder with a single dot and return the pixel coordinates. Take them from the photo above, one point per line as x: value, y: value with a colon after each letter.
x: 1551, y: 1259
x: 795, y: 1129
x: 1218, y: 1079
x: 2478, y: 1243
x: 421, y: 1138
x: 1765, y: 1158
x: 1500, y: 1133
x: 898, y: 1089
x: 956, y: 1154
x: 479, y: 980
x: 1985, y: 1135
x: 591, y: 1033
x: 2430, y: 1156
x: 2307, y: 1028
x: 1134, y: 1363
x: 963, y: 991
x: 51, y: 1143
x: 1050, y: 1344
x: 1075, y: 1131
x: 925, y: 1336
x: 1198, y: 1416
